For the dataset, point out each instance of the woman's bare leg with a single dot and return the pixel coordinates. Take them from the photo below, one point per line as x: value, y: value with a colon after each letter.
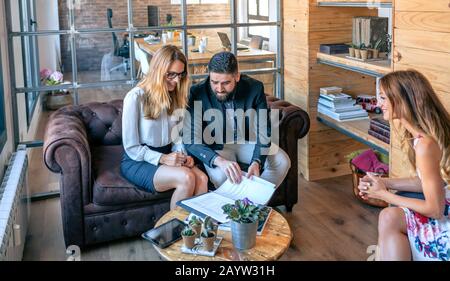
x: 392, y: 235
x: 201, y: 181
x: 181, y: 179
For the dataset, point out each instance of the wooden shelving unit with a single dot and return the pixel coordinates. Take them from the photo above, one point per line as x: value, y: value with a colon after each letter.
x: 356, y: 4
x: 356, y: 130
x: 374, y: 68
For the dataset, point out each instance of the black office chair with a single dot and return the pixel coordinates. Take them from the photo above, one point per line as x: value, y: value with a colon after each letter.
x: 119, y: 51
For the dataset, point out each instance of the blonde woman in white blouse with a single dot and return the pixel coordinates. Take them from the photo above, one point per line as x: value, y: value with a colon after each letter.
x: 151, y: 160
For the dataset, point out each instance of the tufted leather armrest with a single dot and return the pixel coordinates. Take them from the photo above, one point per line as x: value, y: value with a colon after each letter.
x: 294, y: 124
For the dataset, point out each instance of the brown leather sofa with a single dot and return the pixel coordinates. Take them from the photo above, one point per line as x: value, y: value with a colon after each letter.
x: 84, y: 144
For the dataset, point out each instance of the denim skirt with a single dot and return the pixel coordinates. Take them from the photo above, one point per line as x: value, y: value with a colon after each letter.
x: 141, y: 173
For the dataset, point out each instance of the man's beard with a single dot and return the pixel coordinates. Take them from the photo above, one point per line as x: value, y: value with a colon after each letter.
x: 223, y: 97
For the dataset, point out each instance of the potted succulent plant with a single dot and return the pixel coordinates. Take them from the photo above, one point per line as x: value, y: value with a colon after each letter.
x: 351, y: 50
x: 208, y: 238
x: 244, y: 216
x: 188, y: 235
x: 364, y: 52
x: 357, y: 51
x: 196, y: 224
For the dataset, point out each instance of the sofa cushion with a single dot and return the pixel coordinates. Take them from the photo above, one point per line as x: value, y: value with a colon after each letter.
x: 110, y: 188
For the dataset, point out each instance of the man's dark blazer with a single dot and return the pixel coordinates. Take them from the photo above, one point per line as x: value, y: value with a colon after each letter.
x: 249, y: 94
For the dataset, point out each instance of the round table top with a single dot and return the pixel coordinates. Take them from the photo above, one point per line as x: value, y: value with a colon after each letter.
x: 271, y: 245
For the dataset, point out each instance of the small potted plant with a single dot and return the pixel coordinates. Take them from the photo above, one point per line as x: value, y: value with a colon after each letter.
x: 244, y: 216
x: 357, y: 51
x: 57, y: 98
x: 208, y: 238
x: 351, y: 50
x: 364, y: 52
x: 196, y: 224
x: 376, y: 48
x: 188, y: 235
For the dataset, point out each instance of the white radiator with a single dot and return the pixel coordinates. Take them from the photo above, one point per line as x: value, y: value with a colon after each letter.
x: 14, y: 207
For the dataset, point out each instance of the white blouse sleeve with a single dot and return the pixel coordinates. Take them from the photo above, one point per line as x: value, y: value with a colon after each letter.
x: 130, y: 131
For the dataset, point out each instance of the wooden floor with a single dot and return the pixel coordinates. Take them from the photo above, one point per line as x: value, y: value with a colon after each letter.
x: 328, y: 223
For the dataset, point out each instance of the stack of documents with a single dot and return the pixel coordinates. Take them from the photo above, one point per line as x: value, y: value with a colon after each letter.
x: 256, y: 189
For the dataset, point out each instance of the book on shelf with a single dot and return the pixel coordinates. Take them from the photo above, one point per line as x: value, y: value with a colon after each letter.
x: 380, y: 130
x: 344, y: 116
x: 379, y: 136
x: 341, y: 97
x: 341, y: 108
x: 331, y: 90
x: 256, y: 189
x: 335, y: 104
x: 381, y: 123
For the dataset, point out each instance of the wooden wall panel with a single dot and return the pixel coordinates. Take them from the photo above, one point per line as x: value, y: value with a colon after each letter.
x: 296, y: 63
x: 423, y: 5
x: 427, y: 21
x: 425, y: 40
x: 421, y: 42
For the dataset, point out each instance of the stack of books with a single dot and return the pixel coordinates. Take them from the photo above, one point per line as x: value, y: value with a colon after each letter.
x: 339, y: 106
x: 380, y: 129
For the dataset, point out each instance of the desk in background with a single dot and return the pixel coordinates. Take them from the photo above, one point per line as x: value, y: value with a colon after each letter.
x: 249, y: 59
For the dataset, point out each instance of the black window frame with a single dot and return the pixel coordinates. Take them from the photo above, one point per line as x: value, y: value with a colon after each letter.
x: 3, y: 128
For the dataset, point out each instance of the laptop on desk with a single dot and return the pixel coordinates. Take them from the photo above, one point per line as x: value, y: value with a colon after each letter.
x: 227, y: 44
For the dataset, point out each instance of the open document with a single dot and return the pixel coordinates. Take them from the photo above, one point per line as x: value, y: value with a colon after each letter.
x: 259, y: 191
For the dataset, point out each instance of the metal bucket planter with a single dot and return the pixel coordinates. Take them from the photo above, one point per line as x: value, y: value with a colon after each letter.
x: 243, y: 235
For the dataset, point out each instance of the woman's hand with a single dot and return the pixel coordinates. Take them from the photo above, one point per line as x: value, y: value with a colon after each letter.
x: 372, y: 186
x: 176, y: 159
x: 189, y: 162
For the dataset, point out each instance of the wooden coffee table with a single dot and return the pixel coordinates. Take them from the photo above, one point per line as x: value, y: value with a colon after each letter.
x: 271, y: 245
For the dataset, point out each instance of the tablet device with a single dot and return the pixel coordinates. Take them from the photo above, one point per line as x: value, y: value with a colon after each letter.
x: 165, y: 234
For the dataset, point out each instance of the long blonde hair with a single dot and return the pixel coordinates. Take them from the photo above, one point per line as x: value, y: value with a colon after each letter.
x: 156, y: 96
x: 412, y: 98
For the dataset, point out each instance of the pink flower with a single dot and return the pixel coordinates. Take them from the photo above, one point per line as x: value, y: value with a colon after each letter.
x: 45, y: 73
x: 56, y: 76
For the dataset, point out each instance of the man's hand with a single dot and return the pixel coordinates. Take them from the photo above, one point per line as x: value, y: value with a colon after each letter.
x: 175, y: 159
x: 253, y: 170
x: 189, y: 162
x: 230, y: 168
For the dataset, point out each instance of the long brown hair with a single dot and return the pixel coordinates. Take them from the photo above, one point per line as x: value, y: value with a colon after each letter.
x: 412, y: 98
x: 156, y: 96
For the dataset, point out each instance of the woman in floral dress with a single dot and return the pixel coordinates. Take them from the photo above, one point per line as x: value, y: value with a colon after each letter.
x: 419, y: 229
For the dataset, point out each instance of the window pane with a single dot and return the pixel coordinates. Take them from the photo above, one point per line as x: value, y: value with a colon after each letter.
x: 98, y: 14
x: 262, y: 54
x: 198, y: 61
x: 209, y: 12
x: 104, y: 94
x: 264, y: 8
x: 252, y: 7
x: 155, y: 13
x: 44, y: 15
x: 50, y: 52
x: 103, y: 57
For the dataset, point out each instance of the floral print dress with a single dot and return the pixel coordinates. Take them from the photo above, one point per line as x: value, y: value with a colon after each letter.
x: 429, y: 238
